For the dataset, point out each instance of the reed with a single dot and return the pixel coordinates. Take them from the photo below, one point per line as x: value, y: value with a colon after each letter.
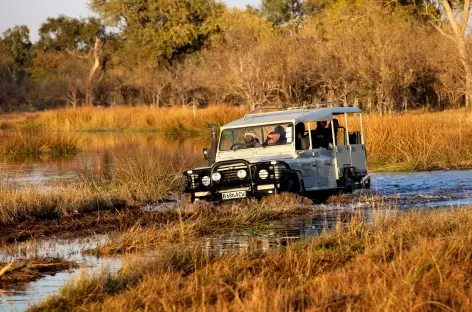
x: 18, y: 204
x: 412, y: 141
x: 178, y: 122
x: 397, y: 262
x: 420, y: 141
x: 196, y: 221
x: 25, y: 144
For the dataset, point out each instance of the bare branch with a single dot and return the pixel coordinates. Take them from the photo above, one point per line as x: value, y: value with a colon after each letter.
x: 465, y: 17
x: 452, y: 19
x: 442, y: 32
x: 74, y: 54
x: 6, y: 268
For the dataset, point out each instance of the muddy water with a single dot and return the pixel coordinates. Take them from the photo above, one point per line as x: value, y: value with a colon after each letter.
x: 397, y: 191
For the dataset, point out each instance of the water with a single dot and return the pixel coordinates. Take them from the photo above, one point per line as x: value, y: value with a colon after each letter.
x: 19, y: 297
x: 397, y: 191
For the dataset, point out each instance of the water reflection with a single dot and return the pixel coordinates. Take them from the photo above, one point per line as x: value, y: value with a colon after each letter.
x: 97, y: 148
x: 391, y: 193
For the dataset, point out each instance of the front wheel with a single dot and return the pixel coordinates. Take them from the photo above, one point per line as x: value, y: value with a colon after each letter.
x: 293, y: 185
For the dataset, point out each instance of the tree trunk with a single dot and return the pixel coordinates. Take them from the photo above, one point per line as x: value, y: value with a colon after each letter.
x: 96, y: 54
x: 459, y: 35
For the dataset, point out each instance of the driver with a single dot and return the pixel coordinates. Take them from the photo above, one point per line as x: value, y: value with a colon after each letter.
x: 278, y: 136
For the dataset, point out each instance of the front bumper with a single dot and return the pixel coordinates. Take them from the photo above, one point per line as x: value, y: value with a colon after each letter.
x: 252, y: 184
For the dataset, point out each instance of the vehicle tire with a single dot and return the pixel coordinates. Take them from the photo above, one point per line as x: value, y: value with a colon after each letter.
x: 293, y: 184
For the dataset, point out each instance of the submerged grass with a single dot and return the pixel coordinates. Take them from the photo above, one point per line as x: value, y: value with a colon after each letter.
x: 18, y: 204
x: 138, y: 178
x: 416, y: 261
x: 195, y: 221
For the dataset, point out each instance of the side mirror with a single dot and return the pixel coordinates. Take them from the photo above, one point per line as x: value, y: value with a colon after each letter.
x: 206, y: 154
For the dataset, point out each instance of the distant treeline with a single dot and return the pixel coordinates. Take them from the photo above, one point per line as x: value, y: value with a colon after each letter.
x: 383, y: 55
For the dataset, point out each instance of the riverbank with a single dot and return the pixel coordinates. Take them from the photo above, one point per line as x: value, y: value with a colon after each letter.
x: 415, y: 141
x: 416, y: 261
x: 24, y: 271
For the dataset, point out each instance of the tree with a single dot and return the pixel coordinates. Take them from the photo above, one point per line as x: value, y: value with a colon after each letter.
x: 64, y: 33
x: 82, y: 40
x: 282, y: 12
x: 15, y: 64
x: 15, y: 49
x: 160, y: 31
x: 459, y: 28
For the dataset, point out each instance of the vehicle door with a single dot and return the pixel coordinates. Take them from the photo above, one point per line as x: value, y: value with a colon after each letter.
x: 350, y: 148
x: 342, y: 146
x: 307, y: 164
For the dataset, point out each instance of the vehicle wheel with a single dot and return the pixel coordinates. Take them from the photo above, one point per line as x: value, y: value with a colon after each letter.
x: 293, y: 185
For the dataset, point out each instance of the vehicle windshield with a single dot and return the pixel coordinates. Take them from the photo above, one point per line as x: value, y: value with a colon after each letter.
x: 258, y: 136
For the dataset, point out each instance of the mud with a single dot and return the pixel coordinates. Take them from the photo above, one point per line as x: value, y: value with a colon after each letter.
x: 20, y: 272
x: 83, y: 224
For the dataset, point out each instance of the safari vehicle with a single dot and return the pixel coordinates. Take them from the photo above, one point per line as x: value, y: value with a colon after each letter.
x: 314, y: 151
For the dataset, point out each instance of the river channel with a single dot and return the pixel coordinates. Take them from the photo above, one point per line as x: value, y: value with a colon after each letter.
x: 398, y: 191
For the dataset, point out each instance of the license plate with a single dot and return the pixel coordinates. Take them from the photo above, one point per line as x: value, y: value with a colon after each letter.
x: 234, y: 195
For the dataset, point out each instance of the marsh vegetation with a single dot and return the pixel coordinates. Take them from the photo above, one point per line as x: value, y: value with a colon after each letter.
x: 417, y: 261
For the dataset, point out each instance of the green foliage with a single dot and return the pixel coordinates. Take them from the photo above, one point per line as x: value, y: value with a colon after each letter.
x: 66, y: 33
x: 15, y: 49
x: 281, y: 12
x: 159, y: 31
x: 241, y: 29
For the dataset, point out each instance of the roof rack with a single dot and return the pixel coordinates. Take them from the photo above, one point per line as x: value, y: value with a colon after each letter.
x: 314, y: 105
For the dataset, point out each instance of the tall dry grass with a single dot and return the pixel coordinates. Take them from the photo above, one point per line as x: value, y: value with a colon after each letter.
x: 26, y: 144
x: 413, y: 141
x: 420, y: 141
x: 181, y: 122
x: 413, y: 262
x: 18, y: 204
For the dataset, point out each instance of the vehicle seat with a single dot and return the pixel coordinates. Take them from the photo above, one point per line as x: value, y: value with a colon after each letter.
x: 339, y: 132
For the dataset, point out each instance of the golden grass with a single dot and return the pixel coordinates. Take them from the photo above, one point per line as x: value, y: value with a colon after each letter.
x: 412, y: 262
x: 179, y: 122
x: 420, y: 141
x: 24, y: 144
x: 18, y: 204
x: 413, y: 141
x: 195, y: 221
x: 136, y: 178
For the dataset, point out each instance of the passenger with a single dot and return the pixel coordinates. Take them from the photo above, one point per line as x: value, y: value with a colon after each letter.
x: 322, y: 134
x: 302, y: 141
x: 251, y: 140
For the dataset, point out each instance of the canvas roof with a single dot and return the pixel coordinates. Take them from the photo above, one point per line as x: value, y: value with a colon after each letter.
x: 291, y: 115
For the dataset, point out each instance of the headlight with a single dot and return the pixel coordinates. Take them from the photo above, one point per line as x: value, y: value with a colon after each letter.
x: 263, y: 174
x: 206, y: 181
x: 216, y: 176
x: 242, y: 174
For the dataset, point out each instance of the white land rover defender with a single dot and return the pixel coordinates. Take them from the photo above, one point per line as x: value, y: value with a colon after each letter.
x: 314, y: 151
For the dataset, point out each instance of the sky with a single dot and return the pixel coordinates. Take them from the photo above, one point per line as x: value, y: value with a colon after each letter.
x: 34, y: 12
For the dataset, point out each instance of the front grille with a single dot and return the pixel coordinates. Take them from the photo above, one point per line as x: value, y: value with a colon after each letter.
x: 229, y: 175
